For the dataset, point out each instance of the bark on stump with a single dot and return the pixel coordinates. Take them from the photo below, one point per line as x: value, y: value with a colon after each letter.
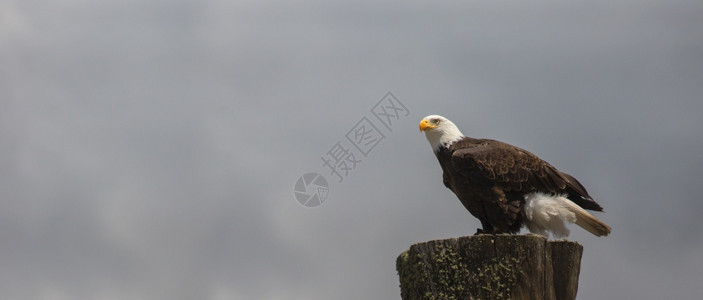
x: 490, y: 267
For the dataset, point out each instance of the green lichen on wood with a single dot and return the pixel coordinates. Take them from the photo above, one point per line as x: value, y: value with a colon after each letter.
x: 442, y: 272
x: 490, y: 267
x: 495, y: 279
x: 410, y: 273
x: 448, y: 272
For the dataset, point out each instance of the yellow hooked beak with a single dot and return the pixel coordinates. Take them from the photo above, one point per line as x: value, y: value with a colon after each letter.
x: 425, y: 124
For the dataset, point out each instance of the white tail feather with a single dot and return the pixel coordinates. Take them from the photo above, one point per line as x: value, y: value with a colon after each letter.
x: 544, y: 214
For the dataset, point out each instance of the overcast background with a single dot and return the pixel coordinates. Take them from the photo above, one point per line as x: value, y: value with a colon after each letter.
x: 149, y: 149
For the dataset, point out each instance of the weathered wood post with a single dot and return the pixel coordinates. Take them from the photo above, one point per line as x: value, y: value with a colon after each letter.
x: 490, y: 267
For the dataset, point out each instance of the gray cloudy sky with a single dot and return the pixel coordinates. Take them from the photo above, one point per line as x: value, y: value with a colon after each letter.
x: 150, y: 148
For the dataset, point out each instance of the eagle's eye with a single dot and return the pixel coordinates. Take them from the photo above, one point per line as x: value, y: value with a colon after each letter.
x: 436, y: 121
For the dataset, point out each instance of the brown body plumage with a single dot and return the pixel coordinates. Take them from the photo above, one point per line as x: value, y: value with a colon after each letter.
x: 500, y: 175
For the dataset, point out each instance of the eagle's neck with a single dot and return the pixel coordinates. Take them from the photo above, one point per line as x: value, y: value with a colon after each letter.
x: 443, y: 137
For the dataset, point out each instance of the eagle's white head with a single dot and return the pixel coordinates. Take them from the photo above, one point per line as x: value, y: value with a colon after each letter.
x: 440, y: 131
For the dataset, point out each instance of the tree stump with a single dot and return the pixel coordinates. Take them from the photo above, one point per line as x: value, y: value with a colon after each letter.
x: 490, y: 267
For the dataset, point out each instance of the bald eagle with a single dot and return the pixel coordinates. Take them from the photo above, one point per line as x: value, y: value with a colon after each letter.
x: 506, y: 187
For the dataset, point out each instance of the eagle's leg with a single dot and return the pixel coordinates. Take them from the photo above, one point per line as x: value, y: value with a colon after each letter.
x: 487, y: 228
